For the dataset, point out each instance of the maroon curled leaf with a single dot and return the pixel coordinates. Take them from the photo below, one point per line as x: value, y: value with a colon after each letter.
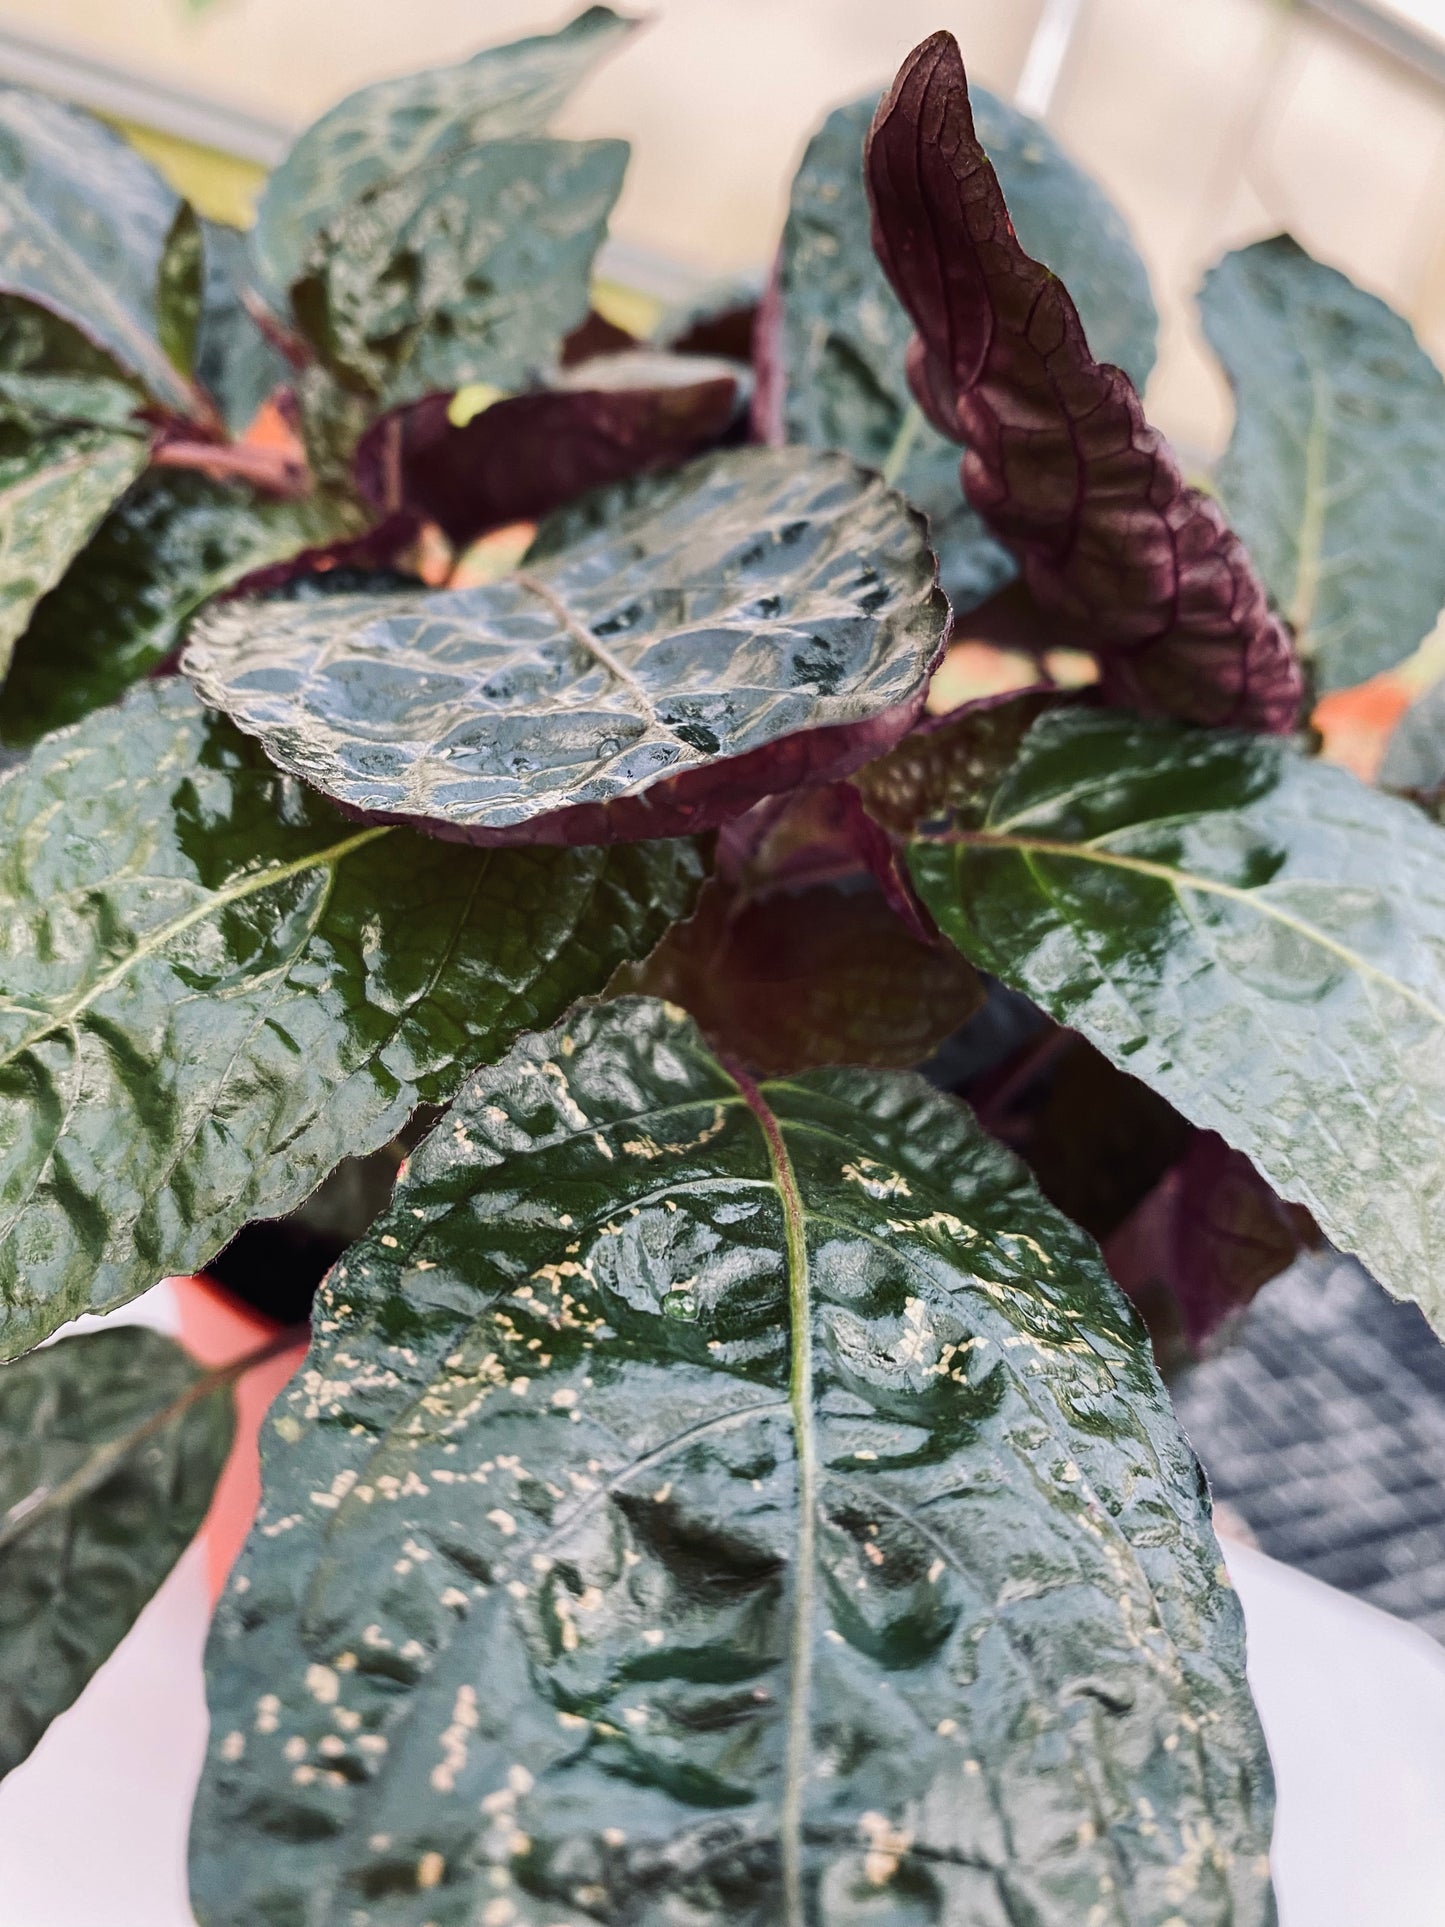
x: 605, y: 419
x: 798, y: 979
x: 377, y: 551
x: 672, y: 650
x: 1206, y: 1238
x: 1061, y: 463
x: 816, y: 836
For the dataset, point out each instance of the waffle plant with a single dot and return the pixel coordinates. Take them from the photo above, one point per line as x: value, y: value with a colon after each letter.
x: 802, y: 827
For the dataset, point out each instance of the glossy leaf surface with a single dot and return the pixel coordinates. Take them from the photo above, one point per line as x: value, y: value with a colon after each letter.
x: 122, y: 607
x: 1255, y: 934
x: 83, y: 226
x: 180, y: 289
x: 56, y: 486
x: 1335, y: 475
x: 212, y: 988
x: 50, y: 373
x: 844, y: 336
x: 110, y: 1448
x: 804, y: 978
x: 670, y: 651
x: 235, y: 362
x: 474, y: 268
x: 610, y: 418
x: 385, y: 131
x: 732, y: 1506
x: 1061, y: 463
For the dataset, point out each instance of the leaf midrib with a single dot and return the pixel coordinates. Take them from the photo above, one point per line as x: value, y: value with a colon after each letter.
x: 149, y: 946
x: 798, y: 1745
x: 1182, y: 880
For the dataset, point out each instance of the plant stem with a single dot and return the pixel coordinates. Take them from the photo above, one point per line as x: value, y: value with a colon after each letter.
x: 908, y: 431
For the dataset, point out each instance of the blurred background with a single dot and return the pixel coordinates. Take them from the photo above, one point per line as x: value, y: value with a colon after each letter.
x: 1209, y: 121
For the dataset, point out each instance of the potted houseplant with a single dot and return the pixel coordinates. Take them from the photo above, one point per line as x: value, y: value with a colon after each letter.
x: 726, y: 1482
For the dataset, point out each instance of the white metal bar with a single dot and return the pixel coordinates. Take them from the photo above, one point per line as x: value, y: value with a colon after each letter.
x: 1044, y: 61
x: 72, y: 72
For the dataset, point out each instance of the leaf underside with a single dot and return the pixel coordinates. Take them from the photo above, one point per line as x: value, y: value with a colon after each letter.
x: 1061, y: 464
x: 92, y: 1531
x: 1335, y: 475
x: 774, y: 1519
x: 1251, y: 932
x: 212, y: 988
x: 671, y: 650
x: 844, y: 336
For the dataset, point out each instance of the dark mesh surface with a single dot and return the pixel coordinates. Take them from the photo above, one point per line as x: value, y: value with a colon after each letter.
x: 1323, y: 1426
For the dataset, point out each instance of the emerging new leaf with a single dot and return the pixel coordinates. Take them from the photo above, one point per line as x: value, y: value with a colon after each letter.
x: 180, y: 289
x: 110, y: 1448
x: 84, y: 223
x: 726, y: 1505
x: 212, y: 988
x: 842, y: 338
x: 385, y: 131
x: 474, y: 268
x: 671, y: 651
x: 1335, y: 475
x: 236, y: 364
x: 602, y: 421
x: 1061, y: 464
x: 1253, y: 933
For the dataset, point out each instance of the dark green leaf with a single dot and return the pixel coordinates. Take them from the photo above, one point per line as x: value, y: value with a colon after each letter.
x: 1255, y: 934
x: 723, y: 1506
x: 474, y: 268
x: 385, y: 131
x: 83, y: 227
x: 171, y: 544
x: 56, y: 486
x: 844, y: 335
x: 110, y: 1448
x: 212, y: 988
x: 235, y: 363
x: 180, y: 289
x: 1115, y: 549
x: 1335, y: 476
x: 49, y: 372
x: 674, y: 649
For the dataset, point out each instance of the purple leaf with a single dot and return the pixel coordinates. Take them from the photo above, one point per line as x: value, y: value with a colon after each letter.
x: 1208, y: 1236
x: 797, y: 979
x: 607, y: 419
x: 1061, y: 463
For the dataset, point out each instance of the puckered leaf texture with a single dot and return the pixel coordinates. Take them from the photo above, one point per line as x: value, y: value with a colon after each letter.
x: 671, y: 651
x: 603, y: 420
x: 212, y: 988
x: 843, y: 337
x: 83, y: 227
x: 175, y: 540
x: 1255, y: 934
x: 474, y: 268
x: 387, y: 130
x: 110, y: 1447
x: 1335, y: 475
x: 726, y: 1505
x: 56, y: 485
x: 1061, y: 463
